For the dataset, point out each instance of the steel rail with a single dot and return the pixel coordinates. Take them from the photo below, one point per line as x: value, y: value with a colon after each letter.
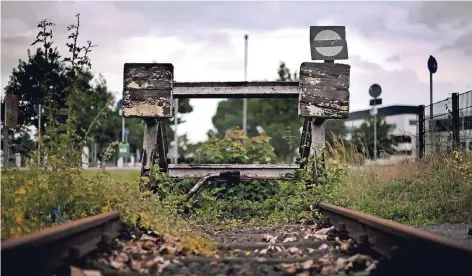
x: 47, y: 251
x: 403, y: 248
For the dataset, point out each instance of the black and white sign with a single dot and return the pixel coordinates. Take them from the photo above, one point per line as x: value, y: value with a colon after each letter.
x: 328, y: 43
x: 376, y: 101
x: 375, y: 90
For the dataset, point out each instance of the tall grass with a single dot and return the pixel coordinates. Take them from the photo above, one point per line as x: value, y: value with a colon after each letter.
x: 431, y: 190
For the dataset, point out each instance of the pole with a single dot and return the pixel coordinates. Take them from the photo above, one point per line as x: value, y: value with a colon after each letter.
x: 39, y: 134
x: 245, y: 79
x: 123, y: 129
x: 5, y: 136
x: 431, y: 126
x: 375, y: 133
x: 176, y: 138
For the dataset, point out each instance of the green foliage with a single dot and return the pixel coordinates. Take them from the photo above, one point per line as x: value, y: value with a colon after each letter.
x: 236, y: 148
x: 251, y: 201
x: 57, y: 182
x: 363, y: 137
x: 277, y: 117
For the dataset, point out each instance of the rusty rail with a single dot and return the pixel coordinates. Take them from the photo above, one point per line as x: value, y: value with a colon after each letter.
x: 403, y: 248
x: 49, y: 250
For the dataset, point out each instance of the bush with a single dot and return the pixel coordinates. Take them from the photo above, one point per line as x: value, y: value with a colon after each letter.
x: 253, y: 201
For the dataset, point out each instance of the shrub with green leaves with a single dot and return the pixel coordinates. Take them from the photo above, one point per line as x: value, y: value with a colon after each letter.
x: 251, y: 201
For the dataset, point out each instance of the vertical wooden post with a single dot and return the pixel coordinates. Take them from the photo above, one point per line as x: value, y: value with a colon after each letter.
x: 318, y: 146
x: 324, y: 94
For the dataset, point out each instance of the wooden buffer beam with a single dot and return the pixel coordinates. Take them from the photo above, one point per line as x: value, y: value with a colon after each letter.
x: 149, y: 92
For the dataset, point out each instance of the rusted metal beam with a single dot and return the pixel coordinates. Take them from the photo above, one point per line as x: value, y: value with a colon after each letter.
x: 247, y: 171
x: 256, y: 89
x: 324, y: 90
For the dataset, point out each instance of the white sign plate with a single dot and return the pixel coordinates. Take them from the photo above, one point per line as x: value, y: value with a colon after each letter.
x: 328, y: 43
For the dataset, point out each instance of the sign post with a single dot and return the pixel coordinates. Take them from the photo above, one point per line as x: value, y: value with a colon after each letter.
x: 432, y: 67
x: 374, y: 91
x: 321, y: 85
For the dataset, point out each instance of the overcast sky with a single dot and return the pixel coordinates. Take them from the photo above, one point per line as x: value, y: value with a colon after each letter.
x: 389, y: 43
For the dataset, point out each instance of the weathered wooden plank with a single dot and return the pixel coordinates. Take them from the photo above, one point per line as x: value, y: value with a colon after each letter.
x: 324, y: 90
x: 147, y: 90
x: 254, y: 89
x: 246, y: 170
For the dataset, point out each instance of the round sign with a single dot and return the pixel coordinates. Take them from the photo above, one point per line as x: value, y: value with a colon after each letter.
x: 375, y: 90
x: 432, y: 65
x: 328, y: 35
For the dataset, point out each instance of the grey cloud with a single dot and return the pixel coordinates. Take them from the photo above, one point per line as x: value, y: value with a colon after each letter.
x: 395, y: 58
x: 463, y: 42
x: 434, y: 14
x: 447, y: 17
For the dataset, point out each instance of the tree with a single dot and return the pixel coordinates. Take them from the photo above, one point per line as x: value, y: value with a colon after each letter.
x: 363, y: 137
x: 278, y: 118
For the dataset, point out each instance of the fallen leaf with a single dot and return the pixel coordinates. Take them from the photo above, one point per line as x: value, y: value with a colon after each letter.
x: 149, y: 245
x: 269, y: 238
x: 344, y: 245
x: 122, y: 257
x: 290, y: 268
x: 307, y: 264
x: 87, y: 272
x: 145, y: 237
x: 236, y: 251
x: 247, y: 253
x: 323, y: 231
x: 135, y: 264
x: 295, y: 250
x: 117, y: 265
x: 290, y: 239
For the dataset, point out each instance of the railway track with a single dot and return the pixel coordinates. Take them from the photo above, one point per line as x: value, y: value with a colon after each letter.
x: 403, y: 250
x: 50, y: 251
x: 344, y: 242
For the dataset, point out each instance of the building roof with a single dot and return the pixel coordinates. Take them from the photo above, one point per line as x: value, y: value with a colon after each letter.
x: 385, y: 111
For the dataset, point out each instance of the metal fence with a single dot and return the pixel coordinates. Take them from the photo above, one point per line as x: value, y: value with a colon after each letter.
x: 448, y: 127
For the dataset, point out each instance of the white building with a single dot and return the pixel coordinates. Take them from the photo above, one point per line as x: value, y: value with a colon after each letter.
x: 404, y: 119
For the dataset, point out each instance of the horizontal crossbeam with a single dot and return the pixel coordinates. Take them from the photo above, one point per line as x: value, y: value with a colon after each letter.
x: 215, y: 90
x: 247, y: 171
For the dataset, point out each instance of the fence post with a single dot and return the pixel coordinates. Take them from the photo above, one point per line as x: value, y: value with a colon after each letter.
x: 421, y: 131
x: 455, y: 121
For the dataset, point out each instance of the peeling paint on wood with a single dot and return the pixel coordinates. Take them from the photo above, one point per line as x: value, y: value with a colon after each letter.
x: 252, y: 89
x: 247, y: 170
x: 147, y: 90
x: 324, y: 90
